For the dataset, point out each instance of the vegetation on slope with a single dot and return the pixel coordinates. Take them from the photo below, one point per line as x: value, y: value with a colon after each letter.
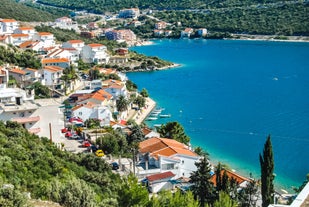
x: 14, y: 56
x: 11, y: 10
x: 116, y: 5
x: 279, y: 20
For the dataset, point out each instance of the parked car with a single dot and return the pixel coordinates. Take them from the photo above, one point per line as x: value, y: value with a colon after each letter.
x: 64, y: 130
x: 86, y: 144
x: 114, y: 166
x: 92, y: 148
x: 75, y: 136
x: 99, y: 153
x: 68, y: 134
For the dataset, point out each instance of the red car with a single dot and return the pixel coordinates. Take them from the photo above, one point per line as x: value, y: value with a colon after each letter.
x: 64, y: 130
x: 86, y: 144
x: 68, y: 134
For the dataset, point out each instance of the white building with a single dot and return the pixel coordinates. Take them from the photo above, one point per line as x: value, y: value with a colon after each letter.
x: 46, y: 37
x: 77, y: 44
x: 115, y: 87
x: 202, y: 32
x: 17, y: 105
x: 94, y: 53
x: 25, y: 30
x: 59, y: 62
x: 51, y: 76
x: 160, y: 181
x: 93, y: 111
x: 164, y: 155
x: 32, y: 45
x: 7, y: 26
x: 187, y: 33
x: 17, y: 39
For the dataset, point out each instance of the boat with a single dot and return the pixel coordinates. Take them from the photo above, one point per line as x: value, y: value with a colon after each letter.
x: 165, y: 115
x: 157, y: 125
x: 152, y: 118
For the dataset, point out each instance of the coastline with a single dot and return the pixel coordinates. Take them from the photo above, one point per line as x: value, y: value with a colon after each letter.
x: 274, y: 38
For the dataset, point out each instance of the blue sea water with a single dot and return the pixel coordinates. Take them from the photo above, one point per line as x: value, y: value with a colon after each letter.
x: 230, y: 95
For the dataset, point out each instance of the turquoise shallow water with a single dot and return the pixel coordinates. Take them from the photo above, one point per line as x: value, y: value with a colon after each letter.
x: 229, y: 95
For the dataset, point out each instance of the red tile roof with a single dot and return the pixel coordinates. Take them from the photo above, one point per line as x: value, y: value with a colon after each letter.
x: 95, y: 45
x: 16, y: 70
x: 239, y: 179
x: 53, y: 69
x: 8, y: 20
x: 164, y: 147
x: 75, y: 41
x: 26, y: 28
x: 19, y: 35
x: 160, y: 176
x: 55, y: 60
x: 45, y: 33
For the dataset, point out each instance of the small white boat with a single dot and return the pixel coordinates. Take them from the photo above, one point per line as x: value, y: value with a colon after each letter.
x: 157, y: 125
x: 152, y: 118
x: 165, y: 115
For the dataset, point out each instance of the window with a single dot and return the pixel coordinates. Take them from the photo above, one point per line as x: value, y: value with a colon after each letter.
x: 182, y: 161
x: 167, y: 166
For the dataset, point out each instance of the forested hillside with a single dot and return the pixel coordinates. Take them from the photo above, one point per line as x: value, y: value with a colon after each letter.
x: 271, y: 17
x: 29, y: 164
x: 9, y: 9
x: 115, y: 5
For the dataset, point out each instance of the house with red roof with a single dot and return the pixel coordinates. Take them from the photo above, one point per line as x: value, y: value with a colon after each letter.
x: 32, y: 45
x: 51, y: 76
x: 160, y: 181
x: 25, y: 30
x: 19, y: 75
x: 187, y: 32
x: 7, y: 26
x: 159, y: 155
x: 59, y: 62
x: 240, y: 180
x: 17, y: 39
x: 94, y: 53
x: 115, y: 87
x: 76, y: 44
x: 92, y: 110
x: 100, y: 97
x: 46, y: 37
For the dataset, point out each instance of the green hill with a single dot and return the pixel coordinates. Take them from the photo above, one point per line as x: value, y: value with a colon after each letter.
x: 9, y: 9
x: 271, y: 17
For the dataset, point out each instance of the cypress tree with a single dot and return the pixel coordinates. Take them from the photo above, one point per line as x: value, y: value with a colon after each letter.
x: 267, y: 173
x: 202, y: 188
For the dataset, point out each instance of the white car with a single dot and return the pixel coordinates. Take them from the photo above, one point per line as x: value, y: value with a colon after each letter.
x: 75, y: 136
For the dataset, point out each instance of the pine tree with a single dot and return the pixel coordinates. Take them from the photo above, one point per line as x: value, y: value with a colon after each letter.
x: 267, y: 173
x: 202, y: 188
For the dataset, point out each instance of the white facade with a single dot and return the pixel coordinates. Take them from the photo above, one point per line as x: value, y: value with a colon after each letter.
x: 17, y: 105
x: 77, y: 44
x: 52, y: 75
x: 17, y: 39
x: 46, y: 37
x: 7, y: 26
x: 90, y: 111
x: 95, y: 53
x: 25, y: 30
